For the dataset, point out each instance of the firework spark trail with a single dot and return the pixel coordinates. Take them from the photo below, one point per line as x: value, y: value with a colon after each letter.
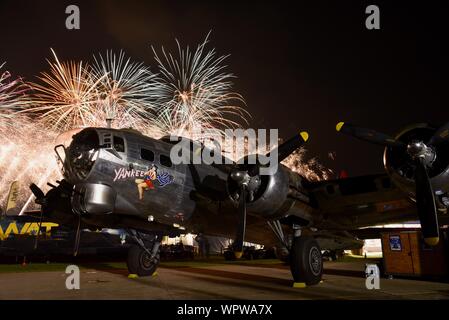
x: 310, y: 169
x: 26, y: 158
x: 77, y: 95
x: 193, y: 91
x: 66, y: 97
x: 126, y: 91
x: 12, y: 92
x: 16, y: 135
x: 13, y: 97
x: 196, y: 91
x: 24, y: 161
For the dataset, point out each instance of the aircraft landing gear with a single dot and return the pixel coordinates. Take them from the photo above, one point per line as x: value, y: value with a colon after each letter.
x: 306, y: 263
x: 143, y: 259
x: 303, y: 254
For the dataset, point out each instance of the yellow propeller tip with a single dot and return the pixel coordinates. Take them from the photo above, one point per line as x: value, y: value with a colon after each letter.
x: 339, y: 126
x: 432, y: 241
x: 304, y: 135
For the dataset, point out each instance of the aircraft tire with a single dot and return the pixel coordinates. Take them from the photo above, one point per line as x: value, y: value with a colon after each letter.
x: 138, y: 262
x: 306, y: 263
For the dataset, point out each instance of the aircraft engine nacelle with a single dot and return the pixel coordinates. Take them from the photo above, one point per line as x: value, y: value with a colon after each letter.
x: 94, y: 198
x: 270, y: 200
x: 401, y: 168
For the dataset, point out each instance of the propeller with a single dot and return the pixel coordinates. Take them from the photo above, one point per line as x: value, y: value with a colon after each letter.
x: 77, y: 237
x: 442, y: 135
x: 422, y: 156
x: 368, y: 135
x: 42, y: 200
x: 289, y: 146
x: 38, y: 194
x: 241, y: 225
x: 247, y: 177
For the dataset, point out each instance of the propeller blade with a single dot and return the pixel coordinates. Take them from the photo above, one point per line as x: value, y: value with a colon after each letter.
x: 441, y: 135
x: 289, y: 146
x: 77, y: 237
x: 241, y: 226
x: 368, y: 135
x: 425, y: 201
x: 38, y: 193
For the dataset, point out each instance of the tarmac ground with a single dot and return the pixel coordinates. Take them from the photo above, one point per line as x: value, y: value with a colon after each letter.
x: 204, y: 280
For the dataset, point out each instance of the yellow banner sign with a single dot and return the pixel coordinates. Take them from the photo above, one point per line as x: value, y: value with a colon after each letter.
x: 12, y: 196
x: 30, y: 228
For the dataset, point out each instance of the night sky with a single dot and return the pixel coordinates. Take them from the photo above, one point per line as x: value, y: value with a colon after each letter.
x: 299, y: 66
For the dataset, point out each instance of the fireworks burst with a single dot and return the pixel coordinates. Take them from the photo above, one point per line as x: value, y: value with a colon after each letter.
x: 126, y: 91
x: 25, y: 147
x: 13, y: 97
x: 77, y: 95
x: 66, y: 97
x: 18, y: 161
x: 196, y: 91
x: 28, y: 157
x: 311, y: 169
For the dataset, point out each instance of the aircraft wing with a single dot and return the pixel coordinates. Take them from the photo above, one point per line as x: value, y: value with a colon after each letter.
x: 351, y: 203
x: 375, y: 233
x: 339, y: 208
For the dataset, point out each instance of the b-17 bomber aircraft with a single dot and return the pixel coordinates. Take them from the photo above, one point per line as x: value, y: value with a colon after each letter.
x: 122, y: 179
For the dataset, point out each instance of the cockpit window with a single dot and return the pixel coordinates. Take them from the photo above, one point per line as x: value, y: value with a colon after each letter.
x: 119, y: 144
x: 146, y: 154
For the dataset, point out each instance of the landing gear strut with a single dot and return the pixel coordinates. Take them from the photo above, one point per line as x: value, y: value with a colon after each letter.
x: 143, y: 257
